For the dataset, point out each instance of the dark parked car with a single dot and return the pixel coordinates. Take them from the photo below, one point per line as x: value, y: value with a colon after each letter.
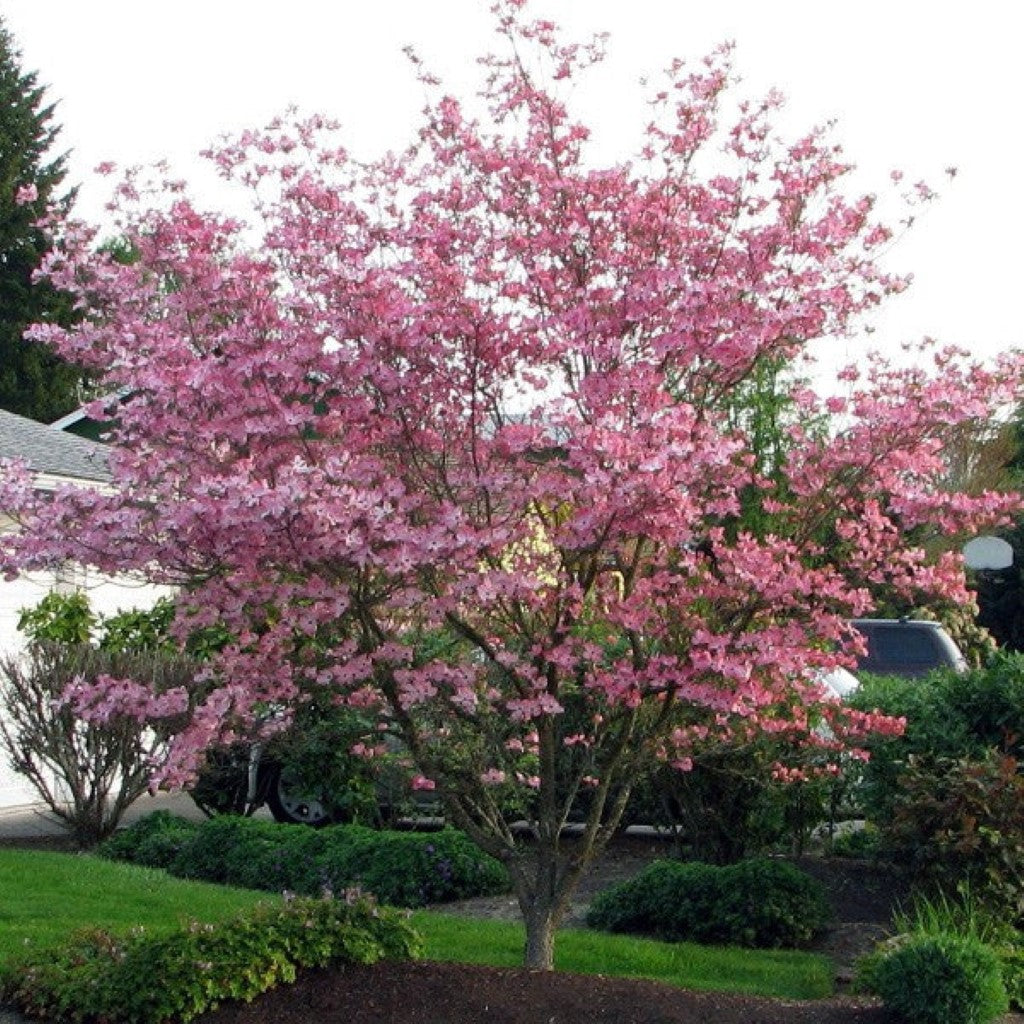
x: 907, y: 647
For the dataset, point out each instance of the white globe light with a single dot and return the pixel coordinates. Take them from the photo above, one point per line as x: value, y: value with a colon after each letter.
x: 988, y: 553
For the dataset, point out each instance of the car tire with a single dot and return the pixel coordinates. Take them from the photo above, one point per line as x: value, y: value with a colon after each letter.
x: 294, y: 804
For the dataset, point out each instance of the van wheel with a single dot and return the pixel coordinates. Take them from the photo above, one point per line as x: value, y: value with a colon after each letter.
x: 293, y: 804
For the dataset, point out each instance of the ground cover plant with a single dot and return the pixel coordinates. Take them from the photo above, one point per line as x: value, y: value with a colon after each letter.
x: 474, y: 440
x: 406, y: 869
x: 142, y: 978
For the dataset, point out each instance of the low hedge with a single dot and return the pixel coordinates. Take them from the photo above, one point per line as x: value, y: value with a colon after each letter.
x: 756, y: 903
x: 404, y: 869
x: 139, y: 978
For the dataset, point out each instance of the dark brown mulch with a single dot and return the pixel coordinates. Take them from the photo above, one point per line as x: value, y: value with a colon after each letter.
x: 430, y: 993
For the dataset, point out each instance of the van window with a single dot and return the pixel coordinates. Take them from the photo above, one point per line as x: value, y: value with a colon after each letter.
x: 902, y: 649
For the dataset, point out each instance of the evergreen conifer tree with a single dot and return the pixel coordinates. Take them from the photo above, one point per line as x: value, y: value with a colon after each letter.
x: 34, y: 382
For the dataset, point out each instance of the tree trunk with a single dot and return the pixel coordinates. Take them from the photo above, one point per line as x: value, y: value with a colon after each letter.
x: 541, y: 919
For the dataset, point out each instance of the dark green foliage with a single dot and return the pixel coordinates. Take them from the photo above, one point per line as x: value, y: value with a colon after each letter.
x: 861, y: 843
x: 315, y: 753
x: 723, y: 805
x: 758, y: 903
x: 948, y: 796
x: 407, y: 869
x: 222, y: 783
x: 33, y: 381
x: 964, y: 916
x: 769, y: 903
x: 940, y: 979
x: 961, y: 823
x: 1011, y: 966
x: 155, y: 840
x: 144, y: 979
x: 729, y: 806
x: 949, y: 715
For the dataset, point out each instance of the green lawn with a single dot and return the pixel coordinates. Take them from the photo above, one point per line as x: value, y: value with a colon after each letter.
x: 778, y: 974
x: 45, y: 896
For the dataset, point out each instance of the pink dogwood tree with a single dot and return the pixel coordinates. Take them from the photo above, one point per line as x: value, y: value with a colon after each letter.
x: 452, y: 436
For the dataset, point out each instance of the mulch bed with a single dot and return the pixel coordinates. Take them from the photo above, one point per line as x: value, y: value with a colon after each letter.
x: 432, y: 993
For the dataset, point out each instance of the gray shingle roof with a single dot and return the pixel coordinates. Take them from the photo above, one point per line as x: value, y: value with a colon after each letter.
x: 47, y: 450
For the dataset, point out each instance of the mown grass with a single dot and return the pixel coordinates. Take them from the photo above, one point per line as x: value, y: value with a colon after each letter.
x: 777, y: 974
x: 46, y: 896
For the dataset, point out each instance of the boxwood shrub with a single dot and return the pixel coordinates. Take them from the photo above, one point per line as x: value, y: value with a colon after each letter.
x: 760, y: 903
x: 155, y: 840
x: 406, y: 869
x: 939, y: 979
x: 140, y: 978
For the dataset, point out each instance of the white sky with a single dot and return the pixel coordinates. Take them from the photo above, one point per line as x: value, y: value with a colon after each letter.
x: 914, y: 84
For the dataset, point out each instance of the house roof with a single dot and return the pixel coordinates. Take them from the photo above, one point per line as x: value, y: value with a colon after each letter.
x: 50, y: 451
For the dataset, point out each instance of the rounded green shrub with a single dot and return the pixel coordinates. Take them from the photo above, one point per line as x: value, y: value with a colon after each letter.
x: 768, y: 903
x: 940, y: 979
x: 154, y: 841
x: 760, y: 903
x: 205, y: 857
x: 407, y: 869
x: 667, y: 898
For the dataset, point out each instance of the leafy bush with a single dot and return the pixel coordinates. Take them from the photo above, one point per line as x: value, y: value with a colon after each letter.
x: 865, y: 842
x: 729, y: 806
x: 759, y: 903
x: 1011, y: 965
x: 769, y: 903
x: 87, y: 772
x: 401, y: 868
x: 940, y: 979
x: 315, y: 755
x: 154, y: 841
x: 59, y: 618
x: 965, y: 917
x: 961, y: 823
x: 147, y: 979
x: 949, y: 715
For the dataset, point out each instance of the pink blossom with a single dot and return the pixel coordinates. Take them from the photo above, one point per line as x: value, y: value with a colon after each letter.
x: 452, y: 438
